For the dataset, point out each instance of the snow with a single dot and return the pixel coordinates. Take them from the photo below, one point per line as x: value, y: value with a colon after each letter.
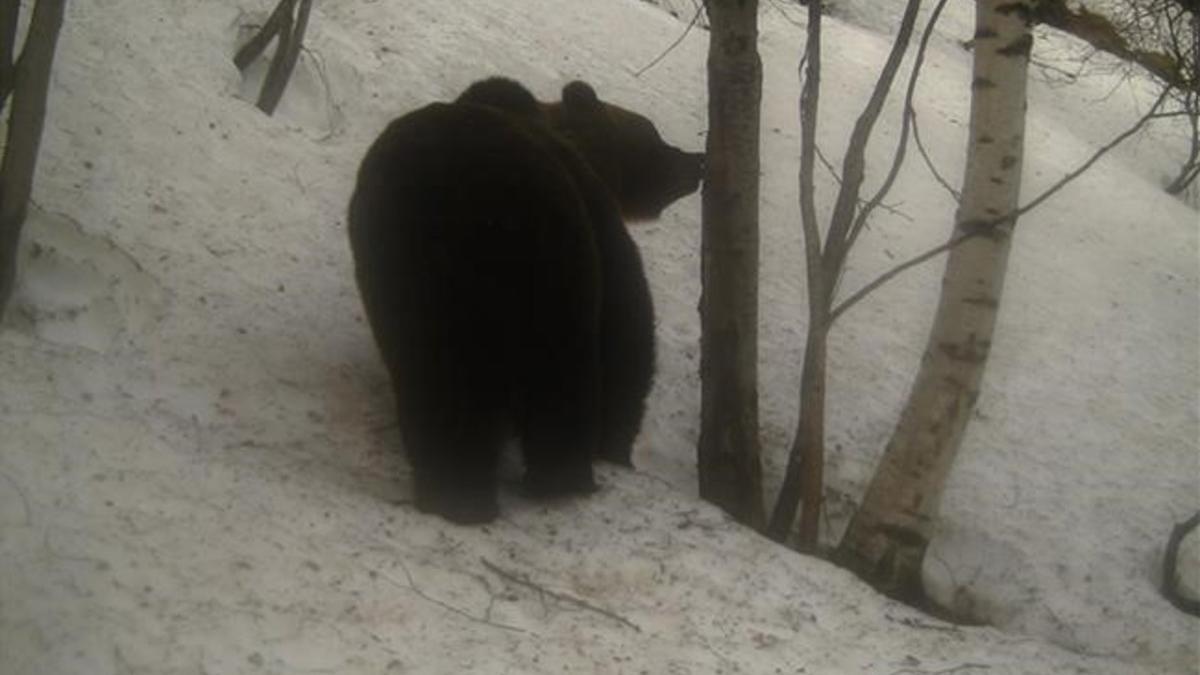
x: 198, y: 460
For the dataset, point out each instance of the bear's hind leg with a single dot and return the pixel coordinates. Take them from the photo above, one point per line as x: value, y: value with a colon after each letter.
x: 454, y: 469
x: 622, y: 421
x: 557, y: 444
x: 561, y: 422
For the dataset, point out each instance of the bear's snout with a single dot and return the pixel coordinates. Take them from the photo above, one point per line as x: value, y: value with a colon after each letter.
x: 688, y: 168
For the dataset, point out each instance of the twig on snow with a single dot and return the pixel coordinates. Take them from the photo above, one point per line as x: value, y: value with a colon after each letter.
x: 562, y: 597
x: 945, y: 671
x: 412, y: 586
x: 28, y: 520
x: 912, y: 622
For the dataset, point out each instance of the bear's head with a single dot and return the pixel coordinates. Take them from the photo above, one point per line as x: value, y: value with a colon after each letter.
x: 643, y: 171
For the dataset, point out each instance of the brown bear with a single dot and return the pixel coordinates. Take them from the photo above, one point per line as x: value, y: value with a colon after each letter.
x: 503, y: 290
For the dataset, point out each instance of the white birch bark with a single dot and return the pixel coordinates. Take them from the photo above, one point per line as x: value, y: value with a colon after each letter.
x: 887, y: 538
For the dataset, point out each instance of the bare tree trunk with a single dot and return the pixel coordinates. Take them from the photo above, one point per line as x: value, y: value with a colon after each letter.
x: 286, y: 55
x: 1189, y: 103
x: 291, y: 38
x: 31, y: 83
x: 1191, y: 166
x: 886, y: 540
x: 803, y: 482
x: 728, y: 455
x: 803, y: 479
x: 10, y: 10
x: 279, y: 21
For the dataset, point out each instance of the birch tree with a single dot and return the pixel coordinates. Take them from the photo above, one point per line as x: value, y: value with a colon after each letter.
x: 729, y: 467
x: 887, y: 538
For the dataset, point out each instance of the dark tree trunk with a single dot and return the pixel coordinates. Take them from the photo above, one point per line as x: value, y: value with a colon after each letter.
x: 31, y: 83
x: 1191, y: 166
x: 290, y: 31
x: 290, y: 42
x: 10, y: 10
x: 729, y: 466
x: 804, y: 477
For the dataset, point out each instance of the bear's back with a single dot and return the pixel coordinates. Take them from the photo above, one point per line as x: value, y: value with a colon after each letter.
x: 461, y: 177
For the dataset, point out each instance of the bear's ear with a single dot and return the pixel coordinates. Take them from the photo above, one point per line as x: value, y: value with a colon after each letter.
x: 580, y: 97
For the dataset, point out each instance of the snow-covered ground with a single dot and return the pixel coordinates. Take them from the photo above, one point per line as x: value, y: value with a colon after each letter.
x: 198, y: 466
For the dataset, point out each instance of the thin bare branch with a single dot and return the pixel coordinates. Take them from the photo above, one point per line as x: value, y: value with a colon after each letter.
x: 905, y: 123
x: 783, y: 13
x: 916, y: 127
x: 979, y: 228
x: 1066, y: 179
x: 828, y: 165
x: 670, y: 48
x: 854, y: 162
x: 897, y: 270
x: 892, y: 209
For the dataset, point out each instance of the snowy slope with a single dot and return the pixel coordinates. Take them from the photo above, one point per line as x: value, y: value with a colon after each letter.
x: 198, y: 467
x: 1084, y: 449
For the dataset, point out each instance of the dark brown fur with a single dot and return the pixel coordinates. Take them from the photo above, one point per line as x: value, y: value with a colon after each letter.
x: 503, y: 290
